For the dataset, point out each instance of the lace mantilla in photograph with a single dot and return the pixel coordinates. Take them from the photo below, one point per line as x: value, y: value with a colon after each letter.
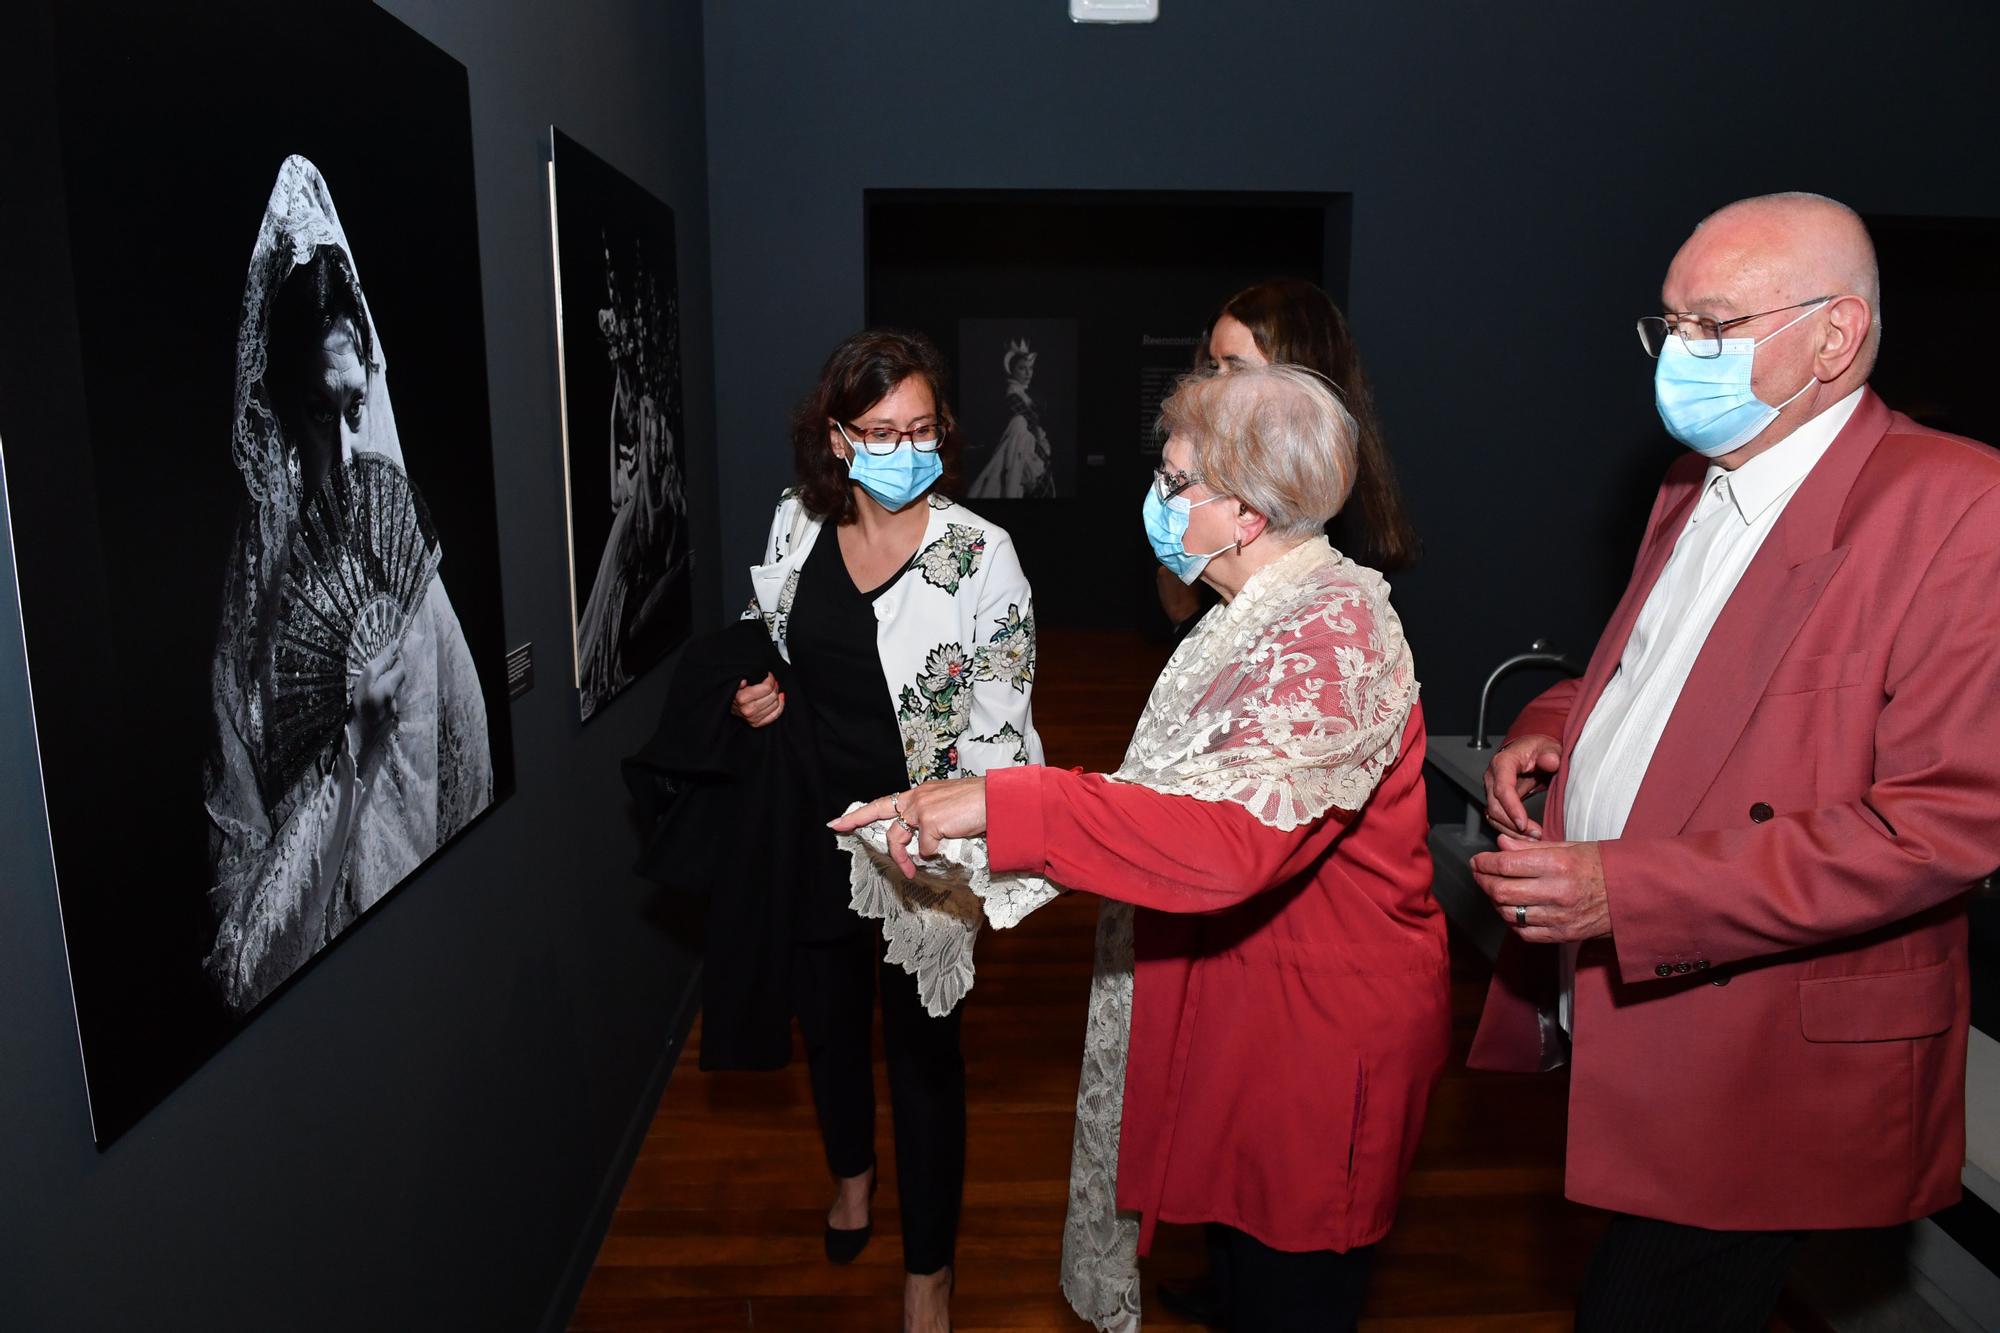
x: 295, y: 855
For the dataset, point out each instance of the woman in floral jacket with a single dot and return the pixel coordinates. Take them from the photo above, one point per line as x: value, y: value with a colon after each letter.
x: 911, y: 630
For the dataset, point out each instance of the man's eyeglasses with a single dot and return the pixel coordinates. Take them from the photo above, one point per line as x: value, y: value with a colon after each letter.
x: 1169, y: 484
x: 924, y: 437
x: 1701, y: 335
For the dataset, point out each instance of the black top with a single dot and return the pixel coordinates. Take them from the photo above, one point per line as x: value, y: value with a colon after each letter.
x: 832, y: 646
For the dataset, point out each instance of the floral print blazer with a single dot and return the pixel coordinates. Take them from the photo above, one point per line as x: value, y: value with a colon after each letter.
x: 956, y: 633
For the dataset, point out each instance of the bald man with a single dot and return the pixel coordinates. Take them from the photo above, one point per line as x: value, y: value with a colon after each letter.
x: 1744, y: 924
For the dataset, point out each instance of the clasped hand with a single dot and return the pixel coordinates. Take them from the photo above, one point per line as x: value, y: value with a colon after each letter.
x: 1560, y: 884
x: 926, y: 816
x: 761, y: 704
x: 1546, y: 892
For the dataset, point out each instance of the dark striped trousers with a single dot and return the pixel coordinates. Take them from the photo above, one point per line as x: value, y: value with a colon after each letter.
x: 1661, y: 1277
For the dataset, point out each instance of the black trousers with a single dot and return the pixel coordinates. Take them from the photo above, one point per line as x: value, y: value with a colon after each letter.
x: 1278, y: 1291
x: 834, y: 990
x: 1661, y: 1277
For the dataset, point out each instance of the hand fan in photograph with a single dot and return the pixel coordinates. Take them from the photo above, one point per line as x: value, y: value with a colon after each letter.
x: 362, y: 558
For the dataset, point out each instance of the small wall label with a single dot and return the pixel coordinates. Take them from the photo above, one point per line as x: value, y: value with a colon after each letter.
x: 520, y: 670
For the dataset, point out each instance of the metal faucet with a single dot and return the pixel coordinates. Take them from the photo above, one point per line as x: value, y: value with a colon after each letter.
x: 1539, y: 654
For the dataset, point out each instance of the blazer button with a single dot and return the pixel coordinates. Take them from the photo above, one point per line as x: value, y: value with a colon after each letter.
x: 1701, y: 965
x: 1664, y: 970
x: 1722, y: 980
x: 1760, y: 813
x: 1683, y: 968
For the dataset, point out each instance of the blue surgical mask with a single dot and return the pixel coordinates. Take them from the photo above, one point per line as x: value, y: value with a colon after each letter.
x: 895, y: 479
x: 1166, y: 529
x: 1707, y: 402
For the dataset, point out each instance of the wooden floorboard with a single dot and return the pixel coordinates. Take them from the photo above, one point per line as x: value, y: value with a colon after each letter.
x: 719, y: 1225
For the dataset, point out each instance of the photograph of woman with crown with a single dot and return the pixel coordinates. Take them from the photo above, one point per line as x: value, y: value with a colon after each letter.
x: 1020, y: 423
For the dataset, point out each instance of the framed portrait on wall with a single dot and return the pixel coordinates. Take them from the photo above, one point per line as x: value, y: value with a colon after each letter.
x: 260, y: 595
x: 624, y: 449
x: 1017, y: 407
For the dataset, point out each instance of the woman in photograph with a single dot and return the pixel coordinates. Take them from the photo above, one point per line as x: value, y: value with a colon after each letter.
x: 645, y: 551
x: 1266, y: 1028
x: 1021, y: 467
x: 1289, y: 321
x: 910, y: 629
x: 349, y: 729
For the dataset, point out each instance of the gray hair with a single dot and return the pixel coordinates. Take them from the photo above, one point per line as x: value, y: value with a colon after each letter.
x: 1275, y: 437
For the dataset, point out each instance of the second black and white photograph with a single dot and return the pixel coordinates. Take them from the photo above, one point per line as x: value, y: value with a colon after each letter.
x: 1018, y: 387
x: 618, y: 340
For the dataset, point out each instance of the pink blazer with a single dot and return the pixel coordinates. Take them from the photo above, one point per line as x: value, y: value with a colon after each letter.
x: 1773, y: 1036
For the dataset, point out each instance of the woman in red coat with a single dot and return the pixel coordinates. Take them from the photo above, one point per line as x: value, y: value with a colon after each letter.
x: 1267, y: 1026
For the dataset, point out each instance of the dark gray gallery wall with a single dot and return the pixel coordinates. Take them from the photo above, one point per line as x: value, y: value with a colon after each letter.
x: 418, y: 1134
x: 1521, y: 175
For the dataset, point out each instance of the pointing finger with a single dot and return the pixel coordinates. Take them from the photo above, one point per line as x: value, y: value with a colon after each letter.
x: 872, y: 813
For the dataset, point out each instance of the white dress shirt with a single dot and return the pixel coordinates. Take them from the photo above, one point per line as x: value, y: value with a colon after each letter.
x: 1735, y: 513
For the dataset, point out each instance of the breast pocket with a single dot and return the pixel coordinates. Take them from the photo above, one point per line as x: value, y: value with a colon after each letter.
x: 1828, y: 671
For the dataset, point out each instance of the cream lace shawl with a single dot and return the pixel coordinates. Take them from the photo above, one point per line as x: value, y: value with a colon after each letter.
x: 1290, y: 700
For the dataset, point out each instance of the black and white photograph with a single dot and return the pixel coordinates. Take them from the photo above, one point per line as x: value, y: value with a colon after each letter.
x: 618, y: 349
x: 261, y: 601
x: 1017, y: 390
x: 350, y: 736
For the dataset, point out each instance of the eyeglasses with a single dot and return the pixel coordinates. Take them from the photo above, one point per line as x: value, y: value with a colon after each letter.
x: 1169, y: 484
x: 1701, y: 335
x: 881, y: 441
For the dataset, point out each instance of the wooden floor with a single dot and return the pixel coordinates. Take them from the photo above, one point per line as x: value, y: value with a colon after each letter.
x: 719, y: 1226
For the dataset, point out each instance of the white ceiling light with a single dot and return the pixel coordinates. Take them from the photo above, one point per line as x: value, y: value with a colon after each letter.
x: 1114, y: 11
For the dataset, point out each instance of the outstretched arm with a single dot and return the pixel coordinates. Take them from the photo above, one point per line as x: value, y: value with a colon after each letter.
x: 1137, y: 845
x: 1116, y: 839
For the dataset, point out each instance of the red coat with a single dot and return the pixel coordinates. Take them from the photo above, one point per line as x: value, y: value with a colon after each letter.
x: 1289, y: 1008
x: 1773, y: 1036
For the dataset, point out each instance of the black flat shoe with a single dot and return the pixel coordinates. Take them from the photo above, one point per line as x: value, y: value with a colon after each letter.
x: 843, y: 1245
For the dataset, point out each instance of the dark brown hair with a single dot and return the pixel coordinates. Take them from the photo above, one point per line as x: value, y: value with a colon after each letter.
x: 313, y: 297
x: 862, y: 371
x: 1295, y: 323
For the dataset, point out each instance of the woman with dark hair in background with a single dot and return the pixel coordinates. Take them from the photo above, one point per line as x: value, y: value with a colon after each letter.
x: 909, y: 629
x: 1289, y: 321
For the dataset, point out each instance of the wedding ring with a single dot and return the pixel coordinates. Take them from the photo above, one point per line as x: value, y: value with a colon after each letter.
x: 1520, y: 915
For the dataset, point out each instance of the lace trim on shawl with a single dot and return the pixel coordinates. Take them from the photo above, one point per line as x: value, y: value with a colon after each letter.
x: 1100, y: 1249
x: 930, y: 925
x: 1289, y: 700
